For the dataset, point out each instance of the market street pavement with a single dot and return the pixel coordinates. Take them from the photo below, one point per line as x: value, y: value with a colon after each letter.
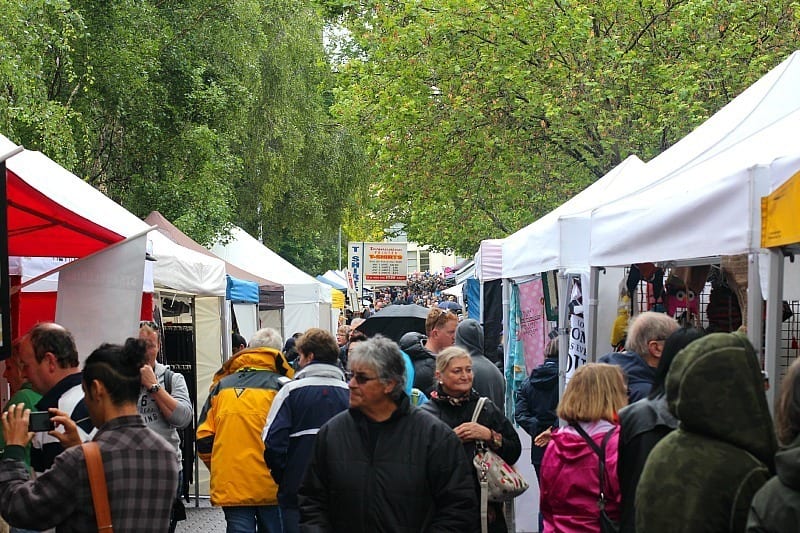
x: 202, y: 519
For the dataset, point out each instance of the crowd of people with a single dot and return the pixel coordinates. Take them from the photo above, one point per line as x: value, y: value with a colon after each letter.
x: 356, y: 434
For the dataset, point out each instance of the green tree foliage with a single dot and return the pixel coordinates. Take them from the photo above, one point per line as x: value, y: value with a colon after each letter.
x: 481, y: 116
x: 211, y: 112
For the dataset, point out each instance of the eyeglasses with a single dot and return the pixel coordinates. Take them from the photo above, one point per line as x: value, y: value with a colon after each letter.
x: 361, y: 379
x: 150, y: 324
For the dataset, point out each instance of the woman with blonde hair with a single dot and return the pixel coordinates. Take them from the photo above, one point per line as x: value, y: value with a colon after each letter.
x: 454, y: 401
x: 571, y: 467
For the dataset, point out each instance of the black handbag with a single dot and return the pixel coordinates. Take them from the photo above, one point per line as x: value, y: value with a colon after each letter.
x: 607, y: 525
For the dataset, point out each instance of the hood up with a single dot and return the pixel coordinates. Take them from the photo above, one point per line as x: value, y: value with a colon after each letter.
x: 469, y: 335
x: 787, y: 464
x: 257, y: 359
x: 714, y: 387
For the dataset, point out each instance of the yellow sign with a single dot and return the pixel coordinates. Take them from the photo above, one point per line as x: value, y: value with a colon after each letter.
x: 337, y: 299
x: 780, y: 224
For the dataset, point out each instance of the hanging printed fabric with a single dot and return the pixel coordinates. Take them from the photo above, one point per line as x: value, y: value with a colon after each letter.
x: 533, y: 325
x: 515, y: 357
x: 577, y: 331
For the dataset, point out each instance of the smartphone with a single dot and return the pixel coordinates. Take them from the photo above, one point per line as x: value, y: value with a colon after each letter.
x: 40, y: 421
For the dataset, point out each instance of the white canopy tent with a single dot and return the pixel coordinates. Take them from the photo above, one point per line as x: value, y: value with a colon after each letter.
x: 307, y: 301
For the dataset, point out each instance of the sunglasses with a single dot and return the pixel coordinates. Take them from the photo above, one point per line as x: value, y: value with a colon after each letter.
x: 442, y: 317
x: 361, y: 379
x: 150, y: 324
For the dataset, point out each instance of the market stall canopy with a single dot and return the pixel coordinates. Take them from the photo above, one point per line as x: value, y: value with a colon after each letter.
x: 53, y: 213
x: 701, y: 185
x: 303, y: 295
x: 270, y: 293
x: 711, y: 209
x: 551, y: 243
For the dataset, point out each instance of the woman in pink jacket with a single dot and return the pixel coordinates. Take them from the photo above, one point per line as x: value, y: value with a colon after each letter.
x: 570, y: 484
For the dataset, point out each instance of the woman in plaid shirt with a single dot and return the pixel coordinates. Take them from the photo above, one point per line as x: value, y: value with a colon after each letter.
x: 140, y: 466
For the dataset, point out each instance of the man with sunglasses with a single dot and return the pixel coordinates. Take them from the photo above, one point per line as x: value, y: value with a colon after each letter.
x: 383, y: 465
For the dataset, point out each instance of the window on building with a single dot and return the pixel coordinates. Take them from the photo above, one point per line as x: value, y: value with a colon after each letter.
x: 424, y: 261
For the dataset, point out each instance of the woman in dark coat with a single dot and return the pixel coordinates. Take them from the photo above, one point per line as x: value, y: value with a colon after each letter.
x: 776, y: 506
x: 454, y: 400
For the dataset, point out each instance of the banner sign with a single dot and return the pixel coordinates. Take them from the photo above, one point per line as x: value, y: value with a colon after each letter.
x: 533, y: 325
x: 378, y: 263
x: 355, y: 260
x: 577, y: 344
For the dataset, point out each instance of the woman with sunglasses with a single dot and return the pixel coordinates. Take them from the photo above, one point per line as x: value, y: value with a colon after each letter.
x: 454, y: 402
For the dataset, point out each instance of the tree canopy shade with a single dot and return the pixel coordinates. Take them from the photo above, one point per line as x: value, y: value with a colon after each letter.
x: 212, y: 113
x: 481, y: 116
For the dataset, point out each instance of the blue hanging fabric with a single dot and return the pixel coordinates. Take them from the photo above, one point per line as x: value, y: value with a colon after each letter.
x: 515, y: 357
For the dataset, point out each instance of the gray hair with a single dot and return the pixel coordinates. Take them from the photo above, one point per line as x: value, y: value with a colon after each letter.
x: 646, y: 327
x: 266, y: 338
x: 384, y: 357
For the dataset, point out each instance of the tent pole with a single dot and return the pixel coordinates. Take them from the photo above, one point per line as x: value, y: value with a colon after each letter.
x: 773, y: 328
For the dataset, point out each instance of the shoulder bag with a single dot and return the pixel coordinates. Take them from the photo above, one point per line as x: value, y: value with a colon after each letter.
x: 97, y: 483
x: 503, y: 481
x: 607, y: 525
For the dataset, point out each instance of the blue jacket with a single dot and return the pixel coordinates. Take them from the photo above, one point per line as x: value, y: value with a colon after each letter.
x: 300, y: 408
x: 639, y: 374
x: 537, y: 400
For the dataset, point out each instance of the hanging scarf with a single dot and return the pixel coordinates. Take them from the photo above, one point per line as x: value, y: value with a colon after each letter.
x: 440, y: 395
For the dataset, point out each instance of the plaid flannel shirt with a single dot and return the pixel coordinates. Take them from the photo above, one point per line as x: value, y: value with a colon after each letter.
x: 141, y: 474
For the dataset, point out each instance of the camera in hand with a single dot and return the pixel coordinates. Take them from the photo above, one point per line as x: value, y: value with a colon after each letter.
x: 40, y: 421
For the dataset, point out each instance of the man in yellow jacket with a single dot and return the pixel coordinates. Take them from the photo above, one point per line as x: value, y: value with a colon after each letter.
x: 229, y: 434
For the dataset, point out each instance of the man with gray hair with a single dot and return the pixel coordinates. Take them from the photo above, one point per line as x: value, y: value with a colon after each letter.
x: 383, y: 465
x: 229, y: 434
x: 643, y: 346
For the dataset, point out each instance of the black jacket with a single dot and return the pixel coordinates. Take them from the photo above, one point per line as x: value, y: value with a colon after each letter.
x: 423, y: 360
x: 776, y: 506
x: 416, y: 480
x: 537, y: 399
x: 491, y: 416
x: 643, y: 425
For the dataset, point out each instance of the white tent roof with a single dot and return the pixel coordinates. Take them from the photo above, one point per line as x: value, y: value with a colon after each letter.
x: 489, y: 260
x: 710, y: 209
x: 701, y: 201
x: 177, y: 267
x: 303, y: 294
x: 560, y: 238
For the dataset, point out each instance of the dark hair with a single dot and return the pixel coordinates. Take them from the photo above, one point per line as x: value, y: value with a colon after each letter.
x: 673, y: 344
x: 787, y: 407
x: 319, y: 342
x: 237, y: 341
x: 117, y: 367
x: 51, y: 337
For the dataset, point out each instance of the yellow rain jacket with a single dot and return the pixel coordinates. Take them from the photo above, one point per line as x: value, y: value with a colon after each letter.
x: 229, y: 431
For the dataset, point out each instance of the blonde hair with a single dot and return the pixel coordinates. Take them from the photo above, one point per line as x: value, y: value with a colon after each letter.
x: 444, y: 357
x: 595, y: 392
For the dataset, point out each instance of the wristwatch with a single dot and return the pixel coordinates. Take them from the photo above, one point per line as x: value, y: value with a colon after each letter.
x: 154, y: 388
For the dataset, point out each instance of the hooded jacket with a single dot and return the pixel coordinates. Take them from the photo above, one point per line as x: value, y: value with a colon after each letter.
x: 776, y: 506
x: 488, y: 380
x: 423, y: 360
x: 537, y: 399
x: 229, y: 431
x: 318, y: 392
x: 702, y: 476
x: 639, y: 375
x: 570, y: 483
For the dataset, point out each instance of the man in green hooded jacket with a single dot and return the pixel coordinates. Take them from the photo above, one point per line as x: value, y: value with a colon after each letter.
x: 702, y: 476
